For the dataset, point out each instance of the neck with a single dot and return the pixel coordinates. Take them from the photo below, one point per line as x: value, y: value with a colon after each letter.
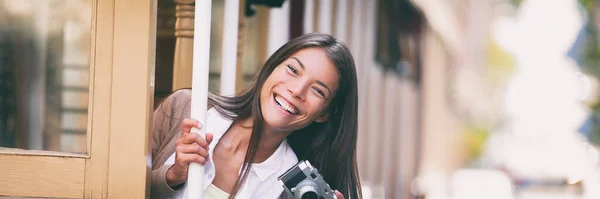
x: 269, y: 141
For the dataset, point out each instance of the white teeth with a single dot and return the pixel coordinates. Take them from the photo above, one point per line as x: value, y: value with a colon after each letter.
x: 284, y: 104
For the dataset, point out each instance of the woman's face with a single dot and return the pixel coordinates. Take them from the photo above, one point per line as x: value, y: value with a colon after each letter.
x: 298, y: 90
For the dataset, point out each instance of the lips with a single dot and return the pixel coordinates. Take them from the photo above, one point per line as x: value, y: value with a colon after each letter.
x: 285, y: 105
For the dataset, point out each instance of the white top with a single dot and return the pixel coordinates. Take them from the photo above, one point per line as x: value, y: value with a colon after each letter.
x: 262, y: 180
x: 213, y: 192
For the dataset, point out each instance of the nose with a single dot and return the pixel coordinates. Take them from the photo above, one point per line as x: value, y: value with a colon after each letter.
x: 298, y: 89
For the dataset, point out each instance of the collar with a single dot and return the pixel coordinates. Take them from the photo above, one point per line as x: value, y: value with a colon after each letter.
x: 217, y: 125
x: 272, y: 164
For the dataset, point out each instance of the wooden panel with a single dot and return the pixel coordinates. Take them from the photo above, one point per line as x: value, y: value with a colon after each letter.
x: 263, y: 32
x: 239, y: 75
x: 14, y: 151
x: 41, y: 176
x: 184, y: 45
x: 96, y: 172
x: 132, y: 96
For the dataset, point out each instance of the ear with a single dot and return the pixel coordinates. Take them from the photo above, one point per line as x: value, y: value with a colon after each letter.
x: 323, y: 118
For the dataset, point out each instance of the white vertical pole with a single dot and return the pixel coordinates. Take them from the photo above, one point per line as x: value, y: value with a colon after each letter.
x: 230, y: 39
x: 387, y: 143
x: 375, y: 117
x: 372, y: 80
x: 309, y: 14
x: 200, y: 88
x: 355, y: 47
x: 279, y: 27
x: 406, y: 126
x: 356, y: 41
x: 341, y: 20
x: 370, y: 15
x: 325, y: 9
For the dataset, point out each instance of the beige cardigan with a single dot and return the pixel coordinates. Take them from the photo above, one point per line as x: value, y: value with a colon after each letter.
x: 167, y: 129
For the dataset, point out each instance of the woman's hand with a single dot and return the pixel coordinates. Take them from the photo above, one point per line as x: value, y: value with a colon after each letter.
x: 339, y: 195
x: 191, y: 147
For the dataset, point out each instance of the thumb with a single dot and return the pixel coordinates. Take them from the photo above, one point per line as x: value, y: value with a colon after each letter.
x: 209, y: 138
x: 338, y: 194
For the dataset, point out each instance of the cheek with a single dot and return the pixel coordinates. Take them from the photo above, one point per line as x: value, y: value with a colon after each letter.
x: 266, y: 87
x: 317, y: 106
x: 280, y: 74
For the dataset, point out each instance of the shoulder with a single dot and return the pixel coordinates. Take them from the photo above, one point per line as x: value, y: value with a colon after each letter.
x: 180, y: 99
x: 176, y: 99
x: 181, y: 95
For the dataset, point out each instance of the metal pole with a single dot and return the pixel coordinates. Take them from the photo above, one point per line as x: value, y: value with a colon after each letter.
x: 229, y: 56
x: 200, y: 88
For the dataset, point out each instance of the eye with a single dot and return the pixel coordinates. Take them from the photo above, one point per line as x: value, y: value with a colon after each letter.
x: 292, y: 69
x: 319, y: 91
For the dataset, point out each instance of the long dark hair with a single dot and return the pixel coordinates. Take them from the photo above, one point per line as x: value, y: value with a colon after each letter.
x: 329, y: 146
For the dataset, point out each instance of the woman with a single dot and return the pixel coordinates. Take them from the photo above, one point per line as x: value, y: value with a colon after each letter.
x: 301, y: 105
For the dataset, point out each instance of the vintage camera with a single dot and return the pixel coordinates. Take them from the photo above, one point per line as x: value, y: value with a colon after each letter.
x: 303, y: 181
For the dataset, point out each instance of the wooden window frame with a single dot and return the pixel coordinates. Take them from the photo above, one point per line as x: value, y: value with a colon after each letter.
x: 119, y: 116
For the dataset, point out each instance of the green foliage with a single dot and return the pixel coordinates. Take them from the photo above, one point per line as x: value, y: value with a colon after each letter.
x: 594, y: 134
x: 588, y: 4
x: 500, y: 64
x: 517, y: 3
x: 475, y: 139
x: 591, y: 65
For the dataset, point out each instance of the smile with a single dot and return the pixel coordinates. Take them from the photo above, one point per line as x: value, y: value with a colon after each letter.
x: 285, y: 105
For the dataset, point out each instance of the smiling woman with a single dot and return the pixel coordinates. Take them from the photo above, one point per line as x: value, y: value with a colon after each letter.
x: 302, y: 104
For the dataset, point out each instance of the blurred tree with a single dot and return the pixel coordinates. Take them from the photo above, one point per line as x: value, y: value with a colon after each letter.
x: 474, y: 140
x: 517, y: 2
x: 589, y: 59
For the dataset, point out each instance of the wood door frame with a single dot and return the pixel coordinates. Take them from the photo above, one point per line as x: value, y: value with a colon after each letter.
x: 119, y: 115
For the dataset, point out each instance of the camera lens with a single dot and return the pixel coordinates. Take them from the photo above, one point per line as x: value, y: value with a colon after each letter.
x: 310, y: 195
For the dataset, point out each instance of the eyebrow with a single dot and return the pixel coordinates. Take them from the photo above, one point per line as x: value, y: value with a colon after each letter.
x: 299, y: 62
x: 319, y: 82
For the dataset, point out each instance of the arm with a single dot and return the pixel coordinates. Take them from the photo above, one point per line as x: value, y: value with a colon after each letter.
x: 159, y: 185
x: 167, y: 119
x: 171, y: 135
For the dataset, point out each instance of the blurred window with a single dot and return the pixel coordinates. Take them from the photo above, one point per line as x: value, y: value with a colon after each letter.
x: 44, y: 74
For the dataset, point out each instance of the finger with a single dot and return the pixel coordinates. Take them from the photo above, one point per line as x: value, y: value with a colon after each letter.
x: 338, y: 194
x: 200, y: 160
x: 204, y: 142
x: 187, y: 158
x: 209, y: 138
x: 193, y: 149
x: 189, y: 138
x: 201, y: 141
x: 187, y: 124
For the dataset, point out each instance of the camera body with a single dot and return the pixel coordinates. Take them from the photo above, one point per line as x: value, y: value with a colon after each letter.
x: 303, y: 181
